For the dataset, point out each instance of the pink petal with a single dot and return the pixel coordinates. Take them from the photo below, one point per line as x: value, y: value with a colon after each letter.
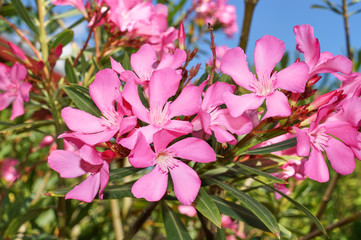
x: 342, y: 130
x: 173, y: 61
x: 80, y: 121
x: 18, y: 72
x: 205, y: 118
x: 194, y: 149
x: 95, y: 138
x: 234, y: 63
x: 151, y: 186
x: 127, y: 124
x: 293, y: 78
x: 303, y: 142
x: 117, y: 67
x: 142, y: 155
x: 214, y: 94
x: 105, y: 89
x: 267, y: 53
x: 187, y: 103
x: 277, y: 105
x: 163, y: 85
x: 90, y: 155
x: 307, y: 44
x: 24, y: 90
x: 4, y: 77
x: 66, y: 163
x: 179, y: 126
x: 104, y: 178
x: 186, y: 183
x: 337, y: 63
x: 130, y: 94
x: 223, y: 136
x: 316, y: 167
x: 340, y: 156
x: 5, y: 100
x: 87, y: 190
x: 17, y: 51
x: 237, y: 105
x: 162, y: 139
x: 240, y: 125
x: 143, y: 62
x: 18, y: 107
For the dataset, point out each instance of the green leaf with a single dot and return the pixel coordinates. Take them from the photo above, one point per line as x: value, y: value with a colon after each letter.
x: 174, y: 227
x: 220, y: 234
x: 318, y: 6
x: 70, y: 13
x: 70, y: 72
x: 118, y: 191
x: 15, y: 224
x: 24, y: 15
x: 239, y: 212
x: 208, y: 208
x: 82, y: 101
x: 25, y: 126
x: 257, y: 208
x: 62, y: 38
x: 261, y: 173
x: 7, y: 10
x: 122, y: 172
x: 273, y: 148
x: 299, y: 206
x: 61, y: 192
x: 174, y: 10
x: 126, y: 62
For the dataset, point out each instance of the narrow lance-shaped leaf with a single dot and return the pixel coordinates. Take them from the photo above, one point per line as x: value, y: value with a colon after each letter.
x: 82, y: 101
x: 261, y: 173
x: 24, y: 15
x: 63, y: 38
x: 257, y: 208
x: 239, y: 212
x: 299, y: 206
x: 70, y: 72
x: 273, y: 148
x: 174, y: 227
x: 118, y: 191
x: 122, y: 172
x: 206, y: 206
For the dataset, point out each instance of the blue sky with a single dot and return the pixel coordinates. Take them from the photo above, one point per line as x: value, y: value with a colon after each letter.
x: 278, y: 17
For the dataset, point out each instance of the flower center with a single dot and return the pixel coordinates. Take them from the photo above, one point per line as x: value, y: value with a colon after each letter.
x: 319, y: 138
x: 264, y: 85
x: 165, y: 161
x: 111, y: 119
x: 159, y: 115
x: 214, y: 112
x: 12, y: 89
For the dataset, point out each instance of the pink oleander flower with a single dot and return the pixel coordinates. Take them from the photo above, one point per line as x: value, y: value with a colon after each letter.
x: 163, y: 85
x: 335, y: 137
x: 351, y: 84
x: 220, y: 51
x: 164, y: 42
x: 291, y: 169
x: 186, y: 182
x: 268, y: 52
x: 130, y: 15
x: 79, y: 4
x: 105, y: 93
x: 318, y: 62
x: 145, y: 62
x: 87, y: 161
x: 190, y: 211
x: 8, y: 170
x: 14, y: 89
x: 212, y: 118
x: 232, y: 227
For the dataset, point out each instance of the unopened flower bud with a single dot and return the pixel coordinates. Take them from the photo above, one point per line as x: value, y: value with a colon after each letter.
x: 323, y: 99
x: 181, y: 36
x: 109, y: 155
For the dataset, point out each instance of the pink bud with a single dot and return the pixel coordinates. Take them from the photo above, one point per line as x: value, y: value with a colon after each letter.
x: 323, y: 99
x: 109, y: 155
x: 17, y: 51
x: 181, y: 36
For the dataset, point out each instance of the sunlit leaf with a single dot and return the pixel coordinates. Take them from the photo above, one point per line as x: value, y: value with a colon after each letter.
x: 122, y: 172
x: 62, y: 38
x: 273, y: 148
x: 70, y: 72
x: 24, y: 15
x: 206, y: 206
x: 174, y: 227
x: 261, y: 173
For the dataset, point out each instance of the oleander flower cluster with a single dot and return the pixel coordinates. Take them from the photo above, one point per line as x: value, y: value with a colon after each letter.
x: 165, y: 124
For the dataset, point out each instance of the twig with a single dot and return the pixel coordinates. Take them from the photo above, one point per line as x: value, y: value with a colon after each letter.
x: 347, y: 31
x: 213, y: 48
x: 13, y: 26
x: 349, y: 219
x: 140, y: 220
x: 117, y: 222
x: 326, y: 198
x: 89, y: 36
x: 249, y: 6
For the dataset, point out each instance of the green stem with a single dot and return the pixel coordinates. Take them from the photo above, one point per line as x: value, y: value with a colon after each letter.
x: 249, y: 6
x: 347, y: 29
x: 42, y: 33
